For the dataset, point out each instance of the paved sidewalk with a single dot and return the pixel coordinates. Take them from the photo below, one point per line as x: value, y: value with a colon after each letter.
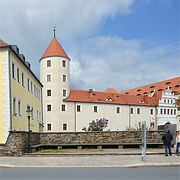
x: 91, y: 161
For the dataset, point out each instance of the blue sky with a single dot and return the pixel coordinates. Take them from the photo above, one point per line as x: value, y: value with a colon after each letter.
x: 112, y: 43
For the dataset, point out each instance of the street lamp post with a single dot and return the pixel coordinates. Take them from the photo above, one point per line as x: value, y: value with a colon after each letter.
x: 29, y: 132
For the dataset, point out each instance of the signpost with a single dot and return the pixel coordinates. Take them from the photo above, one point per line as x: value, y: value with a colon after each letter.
x: 144, y: 141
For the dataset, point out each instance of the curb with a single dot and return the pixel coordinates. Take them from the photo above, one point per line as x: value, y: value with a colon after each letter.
x: 111, y: 166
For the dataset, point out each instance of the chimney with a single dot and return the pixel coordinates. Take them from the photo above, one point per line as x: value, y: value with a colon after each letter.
x: 91, y: 92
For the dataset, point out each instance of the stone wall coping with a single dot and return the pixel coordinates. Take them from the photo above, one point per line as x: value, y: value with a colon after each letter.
x: 83, y: 132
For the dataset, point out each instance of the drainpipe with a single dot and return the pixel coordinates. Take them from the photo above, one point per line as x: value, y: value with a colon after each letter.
x: 9, y: 51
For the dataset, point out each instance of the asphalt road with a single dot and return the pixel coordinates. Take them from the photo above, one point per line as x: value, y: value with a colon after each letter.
x: 144, y: 173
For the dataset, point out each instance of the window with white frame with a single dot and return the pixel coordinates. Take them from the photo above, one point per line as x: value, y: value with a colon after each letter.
x: 64, y: 92
x: 48, y: 63
x: 18, y: 75
x: 35, y: 90
x: 39, y: 94
x: 151, y: 111
x: 48, y: 93
x: 28, y: 82
x: 15, y: 106
x: 138, y: 111
x: 49, y: 108
x: 64, y: 78
x: 78, y: 108
x: 31, y: 87
x: 63, y: 107
x: 63, y: 63
x: 23, y: 79
x: 40, y: 116
x: 65, y: 126
x: 95, y: 109
x: 19, y: 107
x: 118, y: 109
x: 49, y: 127
x: 37, y: 115
x: 132, y: 110
x: 48, y: 78
x: 13, y: 71
x: 32, y: 113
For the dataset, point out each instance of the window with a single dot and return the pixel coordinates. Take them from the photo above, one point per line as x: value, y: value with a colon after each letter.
x: 35, y: 90
x: 18, y: 75
x: 48, y: 63
x: 19, y: 107
x: 49, y: 127
x: 164, y: 111
x: 31, y: 87
x: 49, y: 92
x: 138, y: 110
x: 23, y: 79
x: 63, y: 63
x: 64, y: 126
x: 15, y: 106
x: 40, y: 116
x: 37, y: 116
x: 48, y: 78
x: 132, y: 110
x: 161, y: 111
x: 174, y: 111
x: 13, y: 71
x: 95, y: 109
x: 28, y: 82
x: 151, y: 111
x: 171, y: 111
x: 168, y: 101
x: 171, y: 101
x: 64, y: 92
x: 63, y: 107
x: 64, y: 78
x: 32, y: 113
x: 78, y: 108
x: 49, y: 107
x: 164, y: 101
x: 39, y: 94
x: 118, y: 110
x: 168, y: 111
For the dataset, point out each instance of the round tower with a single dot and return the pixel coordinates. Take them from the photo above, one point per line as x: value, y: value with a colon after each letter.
x: 55, y: 77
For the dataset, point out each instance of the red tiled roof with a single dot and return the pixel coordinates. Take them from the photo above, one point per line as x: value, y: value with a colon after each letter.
x: 2, y: 43
x: 159, y: 87
x: 111, y: 90
x: 110, y: 98
x: 54, y: 49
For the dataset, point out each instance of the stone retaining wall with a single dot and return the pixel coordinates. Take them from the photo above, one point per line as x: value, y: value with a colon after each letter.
x: 17, y: 142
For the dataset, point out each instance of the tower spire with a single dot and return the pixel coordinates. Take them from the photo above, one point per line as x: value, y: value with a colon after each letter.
x: 54, y: 31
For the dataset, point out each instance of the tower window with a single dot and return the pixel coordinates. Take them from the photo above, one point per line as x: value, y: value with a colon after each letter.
x: 48, y: 78
x: 64, y: 78
x: 63, y: 107
x: 49, y: 107
x: 49, y: 92
x: 63, y: 63
x: 64, y: 92
x: 64, y: 126
x: 49, y: 127
x: 48, y: 63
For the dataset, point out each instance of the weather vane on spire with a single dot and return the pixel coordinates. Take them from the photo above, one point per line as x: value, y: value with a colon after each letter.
x: 54, y: 31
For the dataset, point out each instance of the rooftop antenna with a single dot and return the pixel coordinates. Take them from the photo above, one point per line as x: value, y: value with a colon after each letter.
x: 54, y: 31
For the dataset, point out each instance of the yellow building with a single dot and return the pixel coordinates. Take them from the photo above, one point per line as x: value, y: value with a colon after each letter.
x: 19, y: 88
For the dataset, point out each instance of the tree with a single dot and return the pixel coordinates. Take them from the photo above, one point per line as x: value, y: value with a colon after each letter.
x: 97, y: 125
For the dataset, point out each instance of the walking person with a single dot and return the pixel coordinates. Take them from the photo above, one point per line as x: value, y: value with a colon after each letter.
x: 177, y: 142
x: 167, y: 137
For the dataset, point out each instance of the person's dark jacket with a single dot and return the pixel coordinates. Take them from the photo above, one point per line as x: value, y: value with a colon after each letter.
x: 167, y: 137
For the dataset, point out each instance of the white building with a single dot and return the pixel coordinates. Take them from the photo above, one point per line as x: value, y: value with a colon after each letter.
x: 66, y: 109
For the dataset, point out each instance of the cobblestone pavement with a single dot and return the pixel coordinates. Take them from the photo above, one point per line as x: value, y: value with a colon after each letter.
x: 91, y: 161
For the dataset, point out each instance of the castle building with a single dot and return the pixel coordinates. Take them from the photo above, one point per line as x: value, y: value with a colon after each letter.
x: 19, y: 88
x: 70, y: 110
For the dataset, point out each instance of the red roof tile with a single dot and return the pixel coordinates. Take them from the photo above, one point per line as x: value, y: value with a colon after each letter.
x: 111, y: 90
x: 159, y: 87
x: 54, y: 49
x: 110, y: 98
x: 2, y: 43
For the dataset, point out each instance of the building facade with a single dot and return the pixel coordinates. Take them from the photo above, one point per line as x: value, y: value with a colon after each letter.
x: 68, y: 109
x: 19, y: 88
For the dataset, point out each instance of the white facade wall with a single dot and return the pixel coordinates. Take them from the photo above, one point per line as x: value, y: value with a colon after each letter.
x: 56, y: 85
